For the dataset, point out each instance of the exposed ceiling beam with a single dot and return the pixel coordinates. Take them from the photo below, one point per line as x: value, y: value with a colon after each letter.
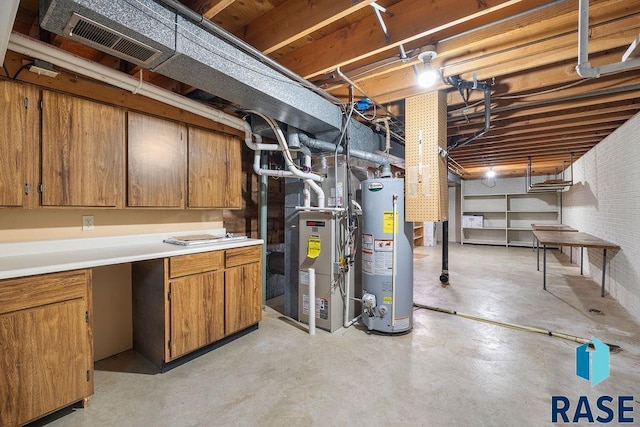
x: 294, y: 19
x: 208, y: 8
x: 558, y: 18
x: 550, y: 122
x: 627, y: 108
x: 402, y: 84
x: 412, y: 20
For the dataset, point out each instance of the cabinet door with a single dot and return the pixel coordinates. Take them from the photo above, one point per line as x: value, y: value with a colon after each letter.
x: 243, y: 297
x: 82, y: 152
x: 197, y: 312
x: 156, y: 162
x: 215, y: 170
x: 46, y: 358
x: 19, y: 118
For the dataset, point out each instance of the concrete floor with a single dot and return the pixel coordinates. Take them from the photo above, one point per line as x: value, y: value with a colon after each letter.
x: 448, y: 371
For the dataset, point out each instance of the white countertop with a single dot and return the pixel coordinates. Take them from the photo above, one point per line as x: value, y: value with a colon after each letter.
x: 49, y: 256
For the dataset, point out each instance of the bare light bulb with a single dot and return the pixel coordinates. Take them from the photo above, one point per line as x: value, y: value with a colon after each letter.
x: 427, y: 77
x: 491, y: 173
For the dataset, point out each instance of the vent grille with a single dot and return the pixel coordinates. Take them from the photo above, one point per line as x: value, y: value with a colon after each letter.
x: 110, y: 41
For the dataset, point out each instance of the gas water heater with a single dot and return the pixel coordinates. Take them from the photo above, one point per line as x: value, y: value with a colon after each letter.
x: 387, y: 257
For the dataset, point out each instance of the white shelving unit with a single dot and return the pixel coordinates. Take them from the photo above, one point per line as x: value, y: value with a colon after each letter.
x: 507, y: 216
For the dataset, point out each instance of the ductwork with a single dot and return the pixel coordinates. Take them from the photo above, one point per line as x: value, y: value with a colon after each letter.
x: 192, y: 55
x: 359, y: 154
x: 8, y: 10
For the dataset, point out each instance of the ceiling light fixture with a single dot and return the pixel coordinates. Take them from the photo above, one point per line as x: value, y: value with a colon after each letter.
x: 428, y: 76
x: 491, y: 173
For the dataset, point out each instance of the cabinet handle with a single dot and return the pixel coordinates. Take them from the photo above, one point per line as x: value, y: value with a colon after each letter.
x: 26, y: 189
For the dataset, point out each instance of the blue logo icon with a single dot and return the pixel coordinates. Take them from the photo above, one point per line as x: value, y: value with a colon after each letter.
x: 593, y: 365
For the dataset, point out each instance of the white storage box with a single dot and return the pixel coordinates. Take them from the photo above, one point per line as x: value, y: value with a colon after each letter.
x: 472, y: 221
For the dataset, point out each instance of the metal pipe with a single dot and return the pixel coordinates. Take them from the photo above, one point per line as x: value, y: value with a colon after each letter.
x: 247, y: 48
x: 264, y: 191
x: 584, y: 68
x: 444, y: 275
x: 459, y: 83
x: 585, y: 95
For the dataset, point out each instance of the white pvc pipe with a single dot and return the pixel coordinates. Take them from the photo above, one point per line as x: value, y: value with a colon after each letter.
x: 347, y: 290
x: 318, y: 190
x: 312, y: 301
x: 585, y: 69
x: 290, y: 165
x: 257, y: 168
x: 394, y: 263
x: 258, y: 145
x: 306, y: 195
x: 46, y: 52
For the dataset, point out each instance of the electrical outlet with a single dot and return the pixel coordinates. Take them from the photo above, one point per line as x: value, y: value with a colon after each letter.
x: 87, y: 222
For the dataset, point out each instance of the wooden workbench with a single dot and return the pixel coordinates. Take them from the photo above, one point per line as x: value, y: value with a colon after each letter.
x: 573, y: 239
x: 552, y: 227
x: 549, y: 227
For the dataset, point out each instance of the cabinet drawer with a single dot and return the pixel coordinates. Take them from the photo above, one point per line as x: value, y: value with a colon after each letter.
x: 33, y: 291
x: 240, y: 256
x: 195, y: 263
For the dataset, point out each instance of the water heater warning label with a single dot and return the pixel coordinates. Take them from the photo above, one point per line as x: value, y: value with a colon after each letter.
x: 388, y: 221
x: 377, y: 262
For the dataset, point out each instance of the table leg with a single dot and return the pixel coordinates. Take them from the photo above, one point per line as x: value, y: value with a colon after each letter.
x: 581, y: 258
x: 604, y: 266
x: 570, y: 254
x: 544, y: 267
x: 538, y: 252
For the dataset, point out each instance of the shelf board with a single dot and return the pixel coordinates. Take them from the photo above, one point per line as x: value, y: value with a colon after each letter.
x: 495, y: 195
x: 520, y: 243
x: 485, y: 242
x: 534, y: 211
x: 520, y: 228
x: 481, y: 212
x: 483, y: 228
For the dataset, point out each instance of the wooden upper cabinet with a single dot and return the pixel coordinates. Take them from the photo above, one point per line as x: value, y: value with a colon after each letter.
x: 83, y: 146
x: 157, y: 162
x: 19, y: 155
x: 215, y: 170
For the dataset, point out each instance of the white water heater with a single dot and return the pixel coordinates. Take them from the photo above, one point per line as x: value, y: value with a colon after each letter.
x: 387, y: 257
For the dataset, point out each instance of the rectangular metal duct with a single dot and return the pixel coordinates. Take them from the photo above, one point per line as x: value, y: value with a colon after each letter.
x: 192, y: 55
x: 123, y: 28
x: 110, y: 41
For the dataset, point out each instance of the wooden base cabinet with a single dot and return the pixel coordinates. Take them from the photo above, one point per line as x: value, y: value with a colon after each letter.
x: 184, y: 303
x: 46, y: 347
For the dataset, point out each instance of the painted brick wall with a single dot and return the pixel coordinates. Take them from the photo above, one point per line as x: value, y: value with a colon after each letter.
x: 605, y: 202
